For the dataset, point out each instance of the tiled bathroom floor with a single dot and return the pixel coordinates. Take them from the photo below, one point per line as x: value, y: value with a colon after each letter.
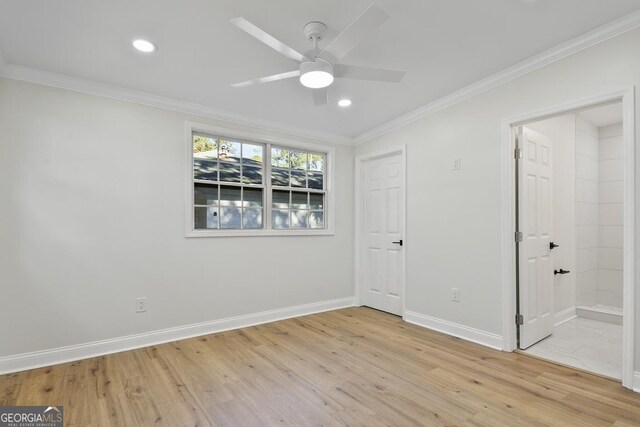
x: 586, y: 344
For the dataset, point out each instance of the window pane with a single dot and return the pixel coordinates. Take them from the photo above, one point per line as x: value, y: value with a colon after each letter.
x: 205, y: 169
x: 280, y: 177
x: 280, y: 219
x: 298, y: 178
x: 252, y: 197
x: 298, y: 160
x: 251, y: 175
x: 230, y: 218
x: 204, y: 194
x: 252, y: 218
x: 299, y: 200
x: 316, y: 162
x: 230, y: 151
x: 316, y: 201
x: 280, y: 199
x: 204, y: 147
x: 316, y: 219
x: 206, y: 218
x: 252, y: 154
x: 229, y: 196
x: 279, y: 157
x: 316, y: 180
x: 229, y: 172
x: 299, y: 219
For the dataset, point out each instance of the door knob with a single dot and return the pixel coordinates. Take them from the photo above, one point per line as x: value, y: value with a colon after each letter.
x: 561, y: 271
x: 399, y: 242
x: 552, y: 245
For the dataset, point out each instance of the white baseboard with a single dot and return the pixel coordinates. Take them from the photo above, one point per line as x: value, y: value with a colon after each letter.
x: 636, y: 382
x: 564, y: 316
x: 38, y: 359
x: 477, y: 336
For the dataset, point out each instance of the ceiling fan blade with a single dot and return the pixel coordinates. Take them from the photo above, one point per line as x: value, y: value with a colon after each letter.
x: 355, y: 32
x: 267, y: 79
x: 320, y: 96
x: 268, y: 39
x: 365, y: 73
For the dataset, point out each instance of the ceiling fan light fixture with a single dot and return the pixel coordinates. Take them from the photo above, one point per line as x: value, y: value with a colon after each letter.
x: 316, y: 74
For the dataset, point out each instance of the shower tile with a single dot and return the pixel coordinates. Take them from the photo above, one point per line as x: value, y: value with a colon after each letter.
x: 611, y: 192
x: 610, y: 148
x: 610, y: 236
x: 586, y: 213
x: 610, y: 258
x: 610, y: 280
x: 610, y: 170
x: 586, y: 236
x: 610, y: 214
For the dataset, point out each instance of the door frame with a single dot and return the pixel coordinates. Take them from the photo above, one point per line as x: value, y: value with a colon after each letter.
x: 360, y: 161
x: 508, y: 212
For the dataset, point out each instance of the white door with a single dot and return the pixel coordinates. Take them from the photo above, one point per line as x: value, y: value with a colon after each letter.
x: 535, y: 221
x: 382, y: 255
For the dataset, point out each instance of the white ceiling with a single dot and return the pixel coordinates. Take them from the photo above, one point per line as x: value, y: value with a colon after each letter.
x: 443, y: 45
x: 604, y: 115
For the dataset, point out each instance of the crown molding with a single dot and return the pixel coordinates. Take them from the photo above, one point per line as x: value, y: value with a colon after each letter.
x: 32, y: 75
x: 591, y: 38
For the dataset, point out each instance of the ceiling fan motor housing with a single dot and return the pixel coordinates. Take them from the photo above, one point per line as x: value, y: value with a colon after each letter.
x: 315, y: 31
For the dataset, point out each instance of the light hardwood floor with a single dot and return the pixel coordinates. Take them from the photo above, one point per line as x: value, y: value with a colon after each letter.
x: 356, y: 367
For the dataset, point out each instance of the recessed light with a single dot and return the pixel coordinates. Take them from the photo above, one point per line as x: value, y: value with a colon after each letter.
x: 344, y: 102
x: 144, y: 45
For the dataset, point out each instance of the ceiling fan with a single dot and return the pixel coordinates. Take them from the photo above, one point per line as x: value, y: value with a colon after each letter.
x: 318, y: 67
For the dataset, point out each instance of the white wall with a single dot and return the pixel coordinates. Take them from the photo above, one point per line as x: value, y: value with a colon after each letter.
x: 562, y: 130
x: 92, y: 193
x: 454, y: 217
x: 586, y: 212
x: 610, y: 230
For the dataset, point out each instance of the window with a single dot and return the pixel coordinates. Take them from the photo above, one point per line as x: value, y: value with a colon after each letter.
x: 297, y: 182
x: 228, y: 190
x: 242, y: 187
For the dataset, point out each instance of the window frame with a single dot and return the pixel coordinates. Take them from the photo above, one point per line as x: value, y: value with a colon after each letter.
x: 268, y: 141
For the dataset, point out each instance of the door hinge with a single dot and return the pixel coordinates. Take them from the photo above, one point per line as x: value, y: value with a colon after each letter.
x: 518, y: 236
x: 517, y: 153
x: 519, y: 319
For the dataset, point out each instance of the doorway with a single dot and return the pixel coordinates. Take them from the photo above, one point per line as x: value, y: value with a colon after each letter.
x: 571, y: 285
x: 574, y: 311
x: 380, y: 222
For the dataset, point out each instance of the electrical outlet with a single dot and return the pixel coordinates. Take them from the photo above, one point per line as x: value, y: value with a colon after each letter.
x: 455, y: 294
x: 456, y: 163
x: 141, y: 304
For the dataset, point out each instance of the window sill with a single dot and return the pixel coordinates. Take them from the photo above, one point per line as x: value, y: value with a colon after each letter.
x: 256, y: 233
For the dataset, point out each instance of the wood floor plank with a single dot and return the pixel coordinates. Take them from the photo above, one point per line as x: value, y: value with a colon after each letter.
x: 350, y: 367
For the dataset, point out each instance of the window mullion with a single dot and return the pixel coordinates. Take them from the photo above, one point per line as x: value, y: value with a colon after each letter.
x: 267, y: 186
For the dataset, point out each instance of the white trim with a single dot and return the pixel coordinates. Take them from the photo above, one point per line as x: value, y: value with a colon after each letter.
x: 564, y: 316
x: 38, y: 359
x: 627, y: 96
x: 629, y: 252
x: 265, y: 138
x: 477, y: 336
x: 32, y: 75
x: 636, y: 382
x: 556, y: 53
x: 358, y: 223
